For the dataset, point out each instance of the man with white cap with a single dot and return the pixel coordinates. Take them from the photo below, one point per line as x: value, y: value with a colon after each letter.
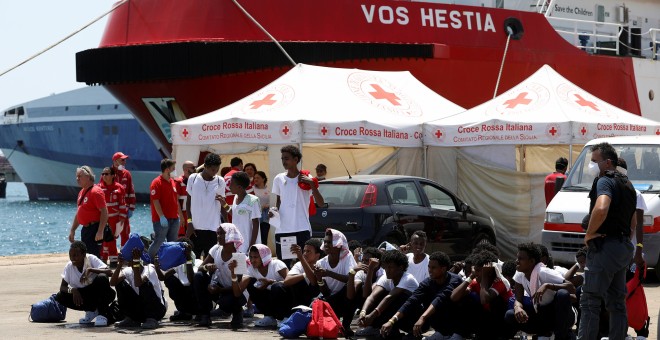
x: 123, y: 177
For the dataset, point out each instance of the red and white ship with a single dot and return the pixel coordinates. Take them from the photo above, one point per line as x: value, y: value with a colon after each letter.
x: 169, y: 60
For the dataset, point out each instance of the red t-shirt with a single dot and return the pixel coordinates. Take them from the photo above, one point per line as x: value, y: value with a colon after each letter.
x: 164, y: 191
x: 498, y: 285
x: 89, y: 207
x: 550, y: 185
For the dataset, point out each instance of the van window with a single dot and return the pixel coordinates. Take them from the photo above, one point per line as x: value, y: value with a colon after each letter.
x: 643, y: 168
x: 347, y: 195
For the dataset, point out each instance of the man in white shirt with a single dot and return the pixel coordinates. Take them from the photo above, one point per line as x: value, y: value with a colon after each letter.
x: 293, y: 201
x: 205, y: 209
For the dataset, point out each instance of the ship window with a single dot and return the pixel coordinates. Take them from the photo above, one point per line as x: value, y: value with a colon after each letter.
x: 115, y: 130
x: 106, y: 130
x: 98, y: 107
x: 66, y: 108
x: 20, y: 110
x: 116, y: 106
x: 600, y: 13
x: 81, y: 129
x: 499, y: 4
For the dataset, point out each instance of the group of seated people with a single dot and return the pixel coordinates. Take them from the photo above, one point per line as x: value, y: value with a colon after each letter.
x: 400, y: 290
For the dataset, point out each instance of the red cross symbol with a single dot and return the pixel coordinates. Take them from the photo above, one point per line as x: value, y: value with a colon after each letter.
x: 184, y: 133
x: 583, y: 102
x: 438, y: 134
x: 324, y: 130
x: 553, y: 131
x: 286, y: 130
x: 520, y: 99
x: 382, y: 94
x: 266, y: 101
x: 584, y: 130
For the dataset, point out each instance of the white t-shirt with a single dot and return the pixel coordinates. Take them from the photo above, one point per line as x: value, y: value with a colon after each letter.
x: 294, y: 205
x: 273, y: 273
x: 361, y: 275
x: 263, y: 194
x: 222, y: 274
x: 641, y: 205
x: 343, y: 267
x: 72, y: 276
x: 203, y: 206
x: 299, y: 270
x: 242, y: 216
x: 150, y: 271
x: 420, y: 270
x: 407, y: 282
x: 546, y: 275
x: 180, y: 271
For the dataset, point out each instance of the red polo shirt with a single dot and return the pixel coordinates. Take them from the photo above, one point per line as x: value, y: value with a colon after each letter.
x: 89, y: 206
x: 164, y: 190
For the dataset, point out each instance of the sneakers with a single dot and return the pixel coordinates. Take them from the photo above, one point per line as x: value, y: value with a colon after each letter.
x: 179, y: 316
x: 219, y: 313
x: 101, y: 321
x: 267, y: 321
x: 437, y: 336
x: 367, y: 331
x: 127, y: 323
x: 150, y: 323
x: 89, y: 317
x: 248, y: 312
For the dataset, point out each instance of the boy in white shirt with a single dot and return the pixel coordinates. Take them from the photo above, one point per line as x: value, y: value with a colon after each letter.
x: 85, y: 285
x: 332, y: 274
x: 246, y: 211
x: 417, y: 258
x: 139, y: 293
x: 293, y: 201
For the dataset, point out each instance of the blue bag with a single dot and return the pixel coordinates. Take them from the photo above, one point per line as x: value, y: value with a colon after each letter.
x: 48, y: 310
x: 296, y: 324
x: 171, y: 254
x: 134, y: 241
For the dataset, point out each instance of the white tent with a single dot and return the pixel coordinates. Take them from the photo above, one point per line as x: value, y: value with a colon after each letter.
x: 477, y: 152
x: 322, y: 105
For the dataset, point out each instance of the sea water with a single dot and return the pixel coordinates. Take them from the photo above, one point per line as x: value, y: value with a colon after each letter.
x: 42, y: 227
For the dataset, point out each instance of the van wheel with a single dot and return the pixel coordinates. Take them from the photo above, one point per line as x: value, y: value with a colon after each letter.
x: 483, y: 238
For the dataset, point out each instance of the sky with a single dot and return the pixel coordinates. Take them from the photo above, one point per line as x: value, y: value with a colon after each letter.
x: 29, y: 26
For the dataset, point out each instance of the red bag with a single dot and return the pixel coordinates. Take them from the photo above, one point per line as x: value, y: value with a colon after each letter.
x: 638, y: 311
x: 325, y: 323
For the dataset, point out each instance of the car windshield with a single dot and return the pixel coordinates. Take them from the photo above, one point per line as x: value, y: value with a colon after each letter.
x: 342, y: 194
x: 643, y: 168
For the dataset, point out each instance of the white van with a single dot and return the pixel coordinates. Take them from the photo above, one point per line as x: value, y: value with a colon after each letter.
x: 562, y: 230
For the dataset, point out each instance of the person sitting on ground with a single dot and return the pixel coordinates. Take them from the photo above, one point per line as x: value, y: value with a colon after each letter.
x: 508, y: 270
x: 246, y: 210
x: 332, y: 275
x: 429, y: 305
x: 140, y: 297
x: 418, y: 259
x: 364, y: 276
x: 389, y: 294
x: 485, y: 295
x: 547, y: 260
x: 178, y: 281
x: 355, y: 247
x: 212, y: 282
x: 85, y: 285
x: 299, y: 286
x: 550, y: 310
x: 262, y: 273
x: 575, y: 274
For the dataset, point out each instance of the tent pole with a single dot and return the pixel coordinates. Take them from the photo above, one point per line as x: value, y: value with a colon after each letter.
x: 570, y: 155
x: 425, y: 170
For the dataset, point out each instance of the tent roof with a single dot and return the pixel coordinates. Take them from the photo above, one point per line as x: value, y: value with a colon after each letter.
x: 545, y: 108
x: 323, y: 105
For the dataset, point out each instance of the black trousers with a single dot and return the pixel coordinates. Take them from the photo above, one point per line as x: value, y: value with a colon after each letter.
x: 342, y: 306
x: 183, y: 296
x: 140, y: 307
x: 491, y: 324
x: 286, y: 298
x: 447, y: 319
x: 227, y: 302
x: 392, y: 308
x: 97, y: 295
x: 88, y: 235
x: 556, y: 317
x: 204, y: 240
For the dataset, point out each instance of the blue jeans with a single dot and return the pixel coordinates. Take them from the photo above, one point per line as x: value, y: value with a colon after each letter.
x: 605, y: 279
x: 169, y: 232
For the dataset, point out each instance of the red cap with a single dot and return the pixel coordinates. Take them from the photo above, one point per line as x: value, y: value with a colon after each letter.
x: 118, y: 155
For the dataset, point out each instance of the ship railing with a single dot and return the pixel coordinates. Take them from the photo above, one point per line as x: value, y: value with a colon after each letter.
x: 653, y: 46
x: 578, y: 31
x: 655, y: 42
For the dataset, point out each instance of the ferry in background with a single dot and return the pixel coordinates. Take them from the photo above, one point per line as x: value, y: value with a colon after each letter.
x: 46, y: 139
x: 170, y: 60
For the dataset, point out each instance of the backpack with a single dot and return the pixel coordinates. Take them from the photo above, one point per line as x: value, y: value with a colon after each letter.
x: 638, y: 311
x: 48, y: 310
x: 295, y: 325
x: 324, y: 323
x: 134, y: 241
x: 171, y: 254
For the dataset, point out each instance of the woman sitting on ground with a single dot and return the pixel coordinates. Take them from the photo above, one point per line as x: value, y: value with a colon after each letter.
x: 85, y: 285
x: 140, y: 296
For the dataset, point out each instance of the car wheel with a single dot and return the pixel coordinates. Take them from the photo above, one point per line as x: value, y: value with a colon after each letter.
x: 483, y: 238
